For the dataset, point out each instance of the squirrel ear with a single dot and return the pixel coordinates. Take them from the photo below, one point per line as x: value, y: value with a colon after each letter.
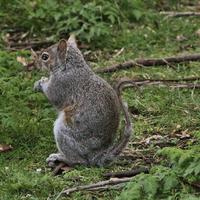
x: 72, y: 40
x: 33, y: 54
x: 62, y: 45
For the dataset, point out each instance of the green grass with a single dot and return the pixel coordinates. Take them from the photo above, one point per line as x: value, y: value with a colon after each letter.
x: 26, y: 118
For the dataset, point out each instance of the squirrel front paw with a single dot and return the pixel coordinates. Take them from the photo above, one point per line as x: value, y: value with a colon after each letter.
x: 38, y: 84
x: 53, y: 159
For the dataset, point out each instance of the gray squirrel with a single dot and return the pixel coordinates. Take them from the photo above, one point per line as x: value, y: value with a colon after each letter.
x: 88, y: 108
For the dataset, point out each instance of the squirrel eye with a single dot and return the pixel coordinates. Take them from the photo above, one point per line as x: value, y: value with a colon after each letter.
x: 45, y: 56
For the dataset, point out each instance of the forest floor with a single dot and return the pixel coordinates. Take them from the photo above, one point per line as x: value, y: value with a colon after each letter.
x: 162, y: 116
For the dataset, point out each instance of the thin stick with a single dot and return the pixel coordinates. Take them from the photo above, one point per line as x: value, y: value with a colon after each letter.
x: 107, y: 187
x: 129, y: 173
x: 126, y: 83
x: 195, y: 78
x: 196, y: 185
x: 180, y: 14
x: 150, y: 62
x: 113, y: 181
x: 186, y: 85
x: 32, y: 44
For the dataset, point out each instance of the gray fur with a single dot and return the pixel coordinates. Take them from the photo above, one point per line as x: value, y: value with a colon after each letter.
x: 89, y: 138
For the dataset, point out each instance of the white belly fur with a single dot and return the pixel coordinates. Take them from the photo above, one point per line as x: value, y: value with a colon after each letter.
x: 59, y: 126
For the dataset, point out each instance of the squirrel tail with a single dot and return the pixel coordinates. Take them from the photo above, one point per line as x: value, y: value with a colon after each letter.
x: 111, y: 153
x: 128, y: 129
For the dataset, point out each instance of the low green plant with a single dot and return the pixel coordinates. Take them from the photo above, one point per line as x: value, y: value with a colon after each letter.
x: 89, y: 19
x: 159, y: 183
x: 168, y: 182
x: 186, y: 163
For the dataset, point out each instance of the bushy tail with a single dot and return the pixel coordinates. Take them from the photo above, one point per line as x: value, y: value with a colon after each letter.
x: 118, y: 147
x: 111, y: 153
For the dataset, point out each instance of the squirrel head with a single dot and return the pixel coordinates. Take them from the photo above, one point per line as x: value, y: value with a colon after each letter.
x: 54, y: 56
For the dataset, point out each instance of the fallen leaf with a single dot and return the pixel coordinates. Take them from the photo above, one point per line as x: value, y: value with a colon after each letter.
x: 5, y: 147
x: 66, y: 168
x: 22, y: 60
x: 178, y: 126
x: 38, y: 170
x: 183, y: 134
x: 154, y: 137
x: 60, y: 168
x: 180, y: 38
x: 6, y: 38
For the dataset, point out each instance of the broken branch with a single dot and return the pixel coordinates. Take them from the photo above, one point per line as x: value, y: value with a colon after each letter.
x: 196, y: 185
x: 107, y: 187
x: 112, y: 181
x: 127, y: 83
x: 28, y: 45
x: 180, y: 14
x: 129, y: 173
x: 150, y: 62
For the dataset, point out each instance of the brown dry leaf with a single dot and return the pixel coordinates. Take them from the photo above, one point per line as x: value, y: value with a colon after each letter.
x: 5, y: 147
x: 6, y: 38
x: 180, y: 38
x: 22, y: 60
x: 178, y: 126
x: 154, y: 137
x: 183, y: 134
x: 66, y: 168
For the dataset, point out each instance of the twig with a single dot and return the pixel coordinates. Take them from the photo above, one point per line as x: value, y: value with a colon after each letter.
x: 196, y: 78
x: 129, y: 173
x: 186, y: 85
x: 126, y: 83
x: 112, y: 181
x: 119, y: 52
x: 160, y: 143
x: 150, y: 62
x: 107, y: 187
x: 196, y: 185
x: 180, y: 14
x: 28, y: 45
